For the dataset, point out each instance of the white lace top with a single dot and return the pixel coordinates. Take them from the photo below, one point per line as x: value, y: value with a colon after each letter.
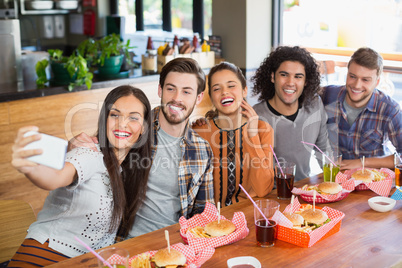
x: 83, y: 209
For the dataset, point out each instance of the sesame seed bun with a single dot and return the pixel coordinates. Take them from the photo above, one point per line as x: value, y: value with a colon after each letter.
x: 224, y: 227
x: 366, y: 176
x: 314, y: 216
x: 296, y: 219
x: 163, y: 257
x: 329, y: 187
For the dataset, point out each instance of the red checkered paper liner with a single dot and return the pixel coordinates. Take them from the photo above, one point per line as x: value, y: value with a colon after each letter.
x: 382, y: 187
x: 115, y: 259
x: 209, y: 214
x: 194, y: 259
x: 347, y: 187
x: 288, y: 234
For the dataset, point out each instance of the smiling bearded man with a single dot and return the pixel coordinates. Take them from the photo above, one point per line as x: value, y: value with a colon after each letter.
x: 361, y: 117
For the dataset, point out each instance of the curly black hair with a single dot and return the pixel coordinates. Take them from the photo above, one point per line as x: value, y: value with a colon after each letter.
x: 263, y: 85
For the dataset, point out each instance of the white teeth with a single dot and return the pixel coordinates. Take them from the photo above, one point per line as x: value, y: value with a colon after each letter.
x: 227, y: 101
x: 356, y: 91
x: 290, y: 91
x: 175, y: 108
x: 121, y: 134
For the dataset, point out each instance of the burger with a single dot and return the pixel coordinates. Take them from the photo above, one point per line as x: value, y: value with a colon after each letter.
x: 363, y: 175
x: 296, y: 219
x: 315, y: 218
x: 221, y: 228
x: 172, y: 259
x: 329, y: 188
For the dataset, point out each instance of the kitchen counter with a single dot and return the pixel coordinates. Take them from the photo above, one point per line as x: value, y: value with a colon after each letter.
x: 11, y: 92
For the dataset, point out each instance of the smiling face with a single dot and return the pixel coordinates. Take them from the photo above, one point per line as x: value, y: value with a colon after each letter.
x: 227, y: 92
x: 360, y: 84
x: 125, y: 123
x: 179, y: 97
x: 289, y: 80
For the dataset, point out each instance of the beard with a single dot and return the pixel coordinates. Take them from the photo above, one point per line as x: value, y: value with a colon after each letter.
x: 175, y: 119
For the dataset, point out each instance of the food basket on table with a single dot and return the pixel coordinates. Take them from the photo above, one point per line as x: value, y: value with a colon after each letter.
x: 194, y: 259
x: 285, y: 231
x: 322, y: 198
x: 210, y: 214
x: 381, y: 184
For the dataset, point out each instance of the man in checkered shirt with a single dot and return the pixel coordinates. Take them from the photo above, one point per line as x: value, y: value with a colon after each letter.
x: 180, y: 181
x: 360, y: 117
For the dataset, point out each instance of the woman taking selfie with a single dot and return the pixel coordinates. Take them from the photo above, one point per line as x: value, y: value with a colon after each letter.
x: 96, y: 195
x: 240, y: 142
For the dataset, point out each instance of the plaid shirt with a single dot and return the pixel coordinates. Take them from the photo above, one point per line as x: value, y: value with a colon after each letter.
x: 195, y: 169
x: 380, y: 120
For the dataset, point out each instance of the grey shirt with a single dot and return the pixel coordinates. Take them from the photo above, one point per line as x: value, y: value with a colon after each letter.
x: 309, y: 126
x: 352, y: 113
x: 161, y: 207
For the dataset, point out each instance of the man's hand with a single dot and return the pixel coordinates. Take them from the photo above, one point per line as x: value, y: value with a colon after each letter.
x: 199, y: 122
x: 83, y: 140
x: 351, y: 164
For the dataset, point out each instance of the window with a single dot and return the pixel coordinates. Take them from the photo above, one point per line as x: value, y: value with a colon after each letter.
x: 181, y: 15
x: 334, y: 29
x: 344, y: 24
x: 127, y: 10
x: 152, y: 14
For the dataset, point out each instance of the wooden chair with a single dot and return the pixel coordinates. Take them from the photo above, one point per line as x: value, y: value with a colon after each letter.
x: 15, y: 218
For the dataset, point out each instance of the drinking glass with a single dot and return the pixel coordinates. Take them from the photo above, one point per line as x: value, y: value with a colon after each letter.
x: 398, y: 170
x: 265, y: 232
x: 328, y: 173
x: 284, y: 182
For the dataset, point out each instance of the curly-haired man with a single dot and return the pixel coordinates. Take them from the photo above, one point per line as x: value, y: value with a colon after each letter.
x: 287, y: 83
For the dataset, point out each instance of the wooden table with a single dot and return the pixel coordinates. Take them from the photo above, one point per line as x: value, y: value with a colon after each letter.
x: 367, y: 239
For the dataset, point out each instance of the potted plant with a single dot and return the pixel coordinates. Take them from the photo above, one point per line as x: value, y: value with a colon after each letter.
x: 89, y: 50
x: 72, y: 71
x: 111, y: 52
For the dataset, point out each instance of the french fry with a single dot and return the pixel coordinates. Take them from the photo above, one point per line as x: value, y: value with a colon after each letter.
x: 199, y: 232
x: 141, y: 261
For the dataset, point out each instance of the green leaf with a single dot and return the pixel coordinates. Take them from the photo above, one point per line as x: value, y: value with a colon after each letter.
x: 40, y: 69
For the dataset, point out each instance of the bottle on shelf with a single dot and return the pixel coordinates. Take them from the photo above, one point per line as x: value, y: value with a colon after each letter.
x: 205, y: 47
x: 176, y: 44
x: 149, y: 60
x: 196, y: 44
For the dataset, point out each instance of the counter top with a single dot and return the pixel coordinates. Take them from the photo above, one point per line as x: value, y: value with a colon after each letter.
x: 11, y: 92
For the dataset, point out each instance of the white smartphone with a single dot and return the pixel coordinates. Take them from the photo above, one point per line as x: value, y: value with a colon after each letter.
x: 54, y: 150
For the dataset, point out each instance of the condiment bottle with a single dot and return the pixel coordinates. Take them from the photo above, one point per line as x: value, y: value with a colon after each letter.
x: 196, y: 44
x: 150, y: 44
x: 205, y: 47
x: 176, y: 44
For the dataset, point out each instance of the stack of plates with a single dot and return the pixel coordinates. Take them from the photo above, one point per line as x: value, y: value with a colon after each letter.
x: 67, y: 4
x: 38, y: 5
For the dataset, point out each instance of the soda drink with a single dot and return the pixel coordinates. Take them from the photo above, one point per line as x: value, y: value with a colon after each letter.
x: 284, y: 186
x: 265, y: 234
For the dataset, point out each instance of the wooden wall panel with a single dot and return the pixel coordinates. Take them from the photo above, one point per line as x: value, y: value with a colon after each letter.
x: 4, y: 119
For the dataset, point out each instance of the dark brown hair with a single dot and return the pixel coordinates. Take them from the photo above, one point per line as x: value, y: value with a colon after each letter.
x: 130, y: 185
x: 184, y: 65
x: 265, y: 88
x: 368, y: 58
x: 220, y: 67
